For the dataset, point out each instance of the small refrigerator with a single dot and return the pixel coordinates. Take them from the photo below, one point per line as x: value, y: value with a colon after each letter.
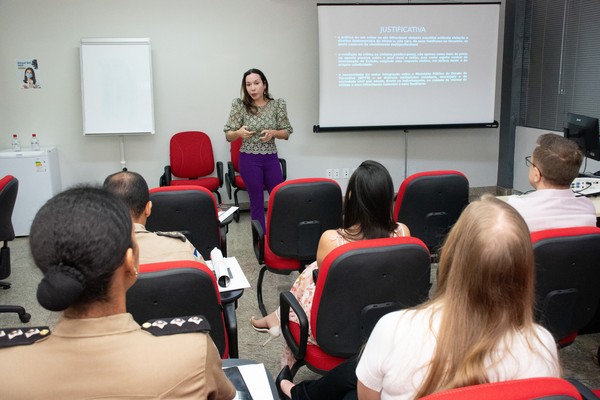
x: 39, y: 180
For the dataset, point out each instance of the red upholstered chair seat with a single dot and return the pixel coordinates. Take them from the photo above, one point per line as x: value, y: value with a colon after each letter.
x: 299, y: 211
x: 520, y: 389
x: 210, y: 183
x: 314, y: 354
x: 191, y: 210
x: 192, y: 162
x: 567, y: 262
x: 356, y: 284
x: 282, y: 263
x: 181, y: 288
x: 430, y: 202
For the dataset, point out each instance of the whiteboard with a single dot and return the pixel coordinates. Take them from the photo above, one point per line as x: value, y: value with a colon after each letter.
x: 116, y: 86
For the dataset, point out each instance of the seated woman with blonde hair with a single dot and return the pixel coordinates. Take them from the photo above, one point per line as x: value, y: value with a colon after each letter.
x: 478, y: 327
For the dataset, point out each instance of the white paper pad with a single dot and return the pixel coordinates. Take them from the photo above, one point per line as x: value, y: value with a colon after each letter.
x: 255, y: 377
x: 238, y: 278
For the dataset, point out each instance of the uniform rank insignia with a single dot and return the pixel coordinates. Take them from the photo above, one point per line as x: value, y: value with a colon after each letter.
x: 174, y: 235
x: 10, y: 337
x: 172, y: 326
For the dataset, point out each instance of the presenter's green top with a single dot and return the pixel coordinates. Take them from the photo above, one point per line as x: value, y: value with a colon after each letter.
x: 272, y: 115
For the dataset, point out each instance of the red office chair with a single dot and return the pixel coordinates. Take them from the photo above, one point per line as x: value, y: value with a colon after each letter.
x: 519, y: 389
x: 299, y: 212
x: 191, y: 210
x: 192, y: 160
x: 178, y: 288
x: 429, y: 203
x: 357, y: 283
x: 233, y: 178
x: 9, y: 186
x: 567, y: 268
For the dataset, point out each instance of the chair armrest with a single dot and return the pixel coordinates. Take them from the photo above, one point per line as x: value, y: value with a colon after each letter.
x: 165, y: 179
x: 220, y: 172
x: 583, y: 390
x: 231, y: 173
x: 230, y: 178
x: 230, y: 318
x: 258, y: 241
x: 287, y: 301
x: 228, y: 185
x: 223, y: 233
x: 283, y: 168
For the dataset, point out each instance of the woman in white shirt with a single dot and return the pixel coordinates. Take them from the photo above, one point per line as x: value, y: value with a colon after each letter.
x: 477, y: 328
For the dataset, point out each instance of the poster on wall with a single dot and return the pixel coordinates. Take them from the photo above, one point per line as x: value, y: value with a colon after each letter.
x: 28, y: 74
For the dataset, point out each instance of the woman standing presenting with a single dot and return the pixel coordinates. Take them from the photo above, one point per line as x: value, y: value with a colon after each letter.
x: 258, y: 120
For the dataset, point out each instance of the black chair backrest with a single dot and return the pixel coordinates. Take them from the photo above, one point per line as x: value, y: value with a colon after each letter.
x: 429, y: 203
x: 178, y: 288
x: 191, y: 210
x: 9, y: 186
x: 358, y: 275
x: 567, y: 262
x: 299, y: 212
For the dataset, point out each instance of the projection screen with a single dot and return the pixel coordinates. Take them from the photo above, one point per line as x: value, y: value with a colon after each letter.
x: 407, y: 65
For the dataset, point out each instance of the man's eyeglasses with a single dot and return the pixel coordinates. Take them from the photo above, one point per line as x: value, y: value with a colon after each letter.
x: 528, y: 163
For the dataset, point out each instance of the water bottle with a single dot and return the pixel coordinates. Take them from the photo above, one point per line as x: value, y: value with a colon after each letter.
x: 35, y: 143
x: 16, y: 145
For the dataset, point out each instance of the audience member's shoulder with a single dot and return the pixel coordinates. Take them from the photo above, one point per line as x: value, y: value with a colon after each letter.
x: 544, y: 335
x: 191, y: 333
x: 13, y: 337
x: 176, y: 326
x: 172, y: 235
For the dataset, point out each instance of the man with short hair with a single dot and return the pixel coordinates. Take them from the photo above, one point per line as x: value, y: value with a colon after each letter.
x: 554, y: 164
x: 132, y: 189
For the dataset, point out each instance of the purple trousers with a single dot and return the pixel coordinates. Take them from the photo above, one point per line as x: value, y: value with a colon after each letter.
x: 260, y: 172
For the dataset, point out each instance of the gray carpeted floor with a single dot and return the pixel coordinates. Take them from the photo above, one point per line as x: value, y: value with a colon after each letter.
x: 576, y: 359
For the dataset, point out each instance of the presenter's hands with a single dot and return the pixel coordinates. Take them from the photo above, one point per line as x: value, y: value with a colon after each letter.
x: 266, y: 135
x: 244, y: 133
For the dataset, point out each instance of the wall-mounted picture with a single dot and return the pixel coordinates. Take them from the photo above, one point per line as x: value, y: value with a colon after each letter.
x: 28, y: 74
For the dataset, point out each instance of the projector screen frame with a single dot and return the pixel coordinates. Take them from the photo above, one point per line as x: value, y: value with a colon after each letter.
x: 351, y: 126
x: 317, y: 128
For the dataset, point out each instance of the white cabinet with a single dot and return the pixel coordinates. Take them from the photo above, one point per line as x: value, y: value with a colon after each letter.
x: 39, y: 180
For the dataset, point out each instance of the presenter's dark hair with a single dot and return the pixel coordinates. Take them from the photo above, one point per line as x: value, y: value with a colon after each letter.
x: 246, y: 99
x: 131, y: 188
x: 32, y: 73
x: 368, y: 204
x: 78, y: 239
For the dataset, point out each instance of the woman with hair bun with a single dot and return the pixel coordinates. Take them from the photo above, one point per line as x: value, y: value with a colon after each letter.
x: 82, y: 240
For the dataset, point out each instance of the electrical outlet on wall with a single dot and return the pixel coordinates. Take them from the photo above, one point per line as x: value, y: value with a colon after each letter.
x: 346, y: 173
x: 336, y: 173
x: 329, y: 173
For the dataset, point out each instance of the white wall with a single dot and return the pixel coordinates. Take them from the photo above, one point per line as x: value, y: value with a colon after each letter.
x: 200, y: 51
